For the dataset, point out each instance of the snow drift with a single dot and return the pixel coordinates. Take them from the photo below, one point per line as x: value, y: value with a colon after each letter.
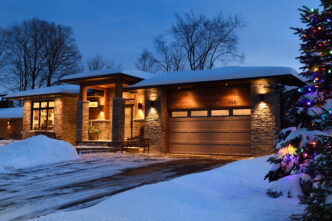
x: 35, y: 151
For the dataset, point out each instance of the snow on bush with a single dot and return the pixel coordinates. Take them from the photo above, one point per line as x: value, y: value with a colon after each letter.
x: 288, y: 186
x: 35, y: 151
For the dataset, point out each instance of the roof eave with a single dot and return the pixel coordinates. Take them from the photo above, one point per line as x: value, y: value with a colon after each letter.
x: 40, y: 95
x: 111, y: 75
x: 298, y: 82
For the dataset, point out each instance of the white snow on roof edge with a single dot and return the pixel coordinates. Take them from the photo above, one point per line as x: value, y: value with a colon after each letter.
x: 216, y: 74
x: 13, y: 112
x: 96, y: 73
x: 60, y: 89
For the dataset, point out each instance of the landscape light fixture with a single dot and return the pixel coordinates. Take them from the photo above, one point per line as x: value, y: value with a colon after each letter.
x: 152, y: 104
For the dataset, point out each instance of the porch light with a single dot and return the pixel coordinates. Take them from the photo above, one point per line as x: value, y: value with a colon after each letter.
x: 140, y: 106
x: 153, y: 110
x: 152, y: 104
x: 8, y: 122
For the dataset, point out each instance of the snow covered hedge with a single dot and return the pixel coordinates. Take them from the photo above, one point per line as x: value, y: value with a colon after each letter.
x: 35, y: 151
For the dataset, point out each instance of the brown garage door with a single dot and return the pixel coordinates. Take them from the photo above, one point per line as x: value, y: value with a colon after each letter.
x: 228, y: 135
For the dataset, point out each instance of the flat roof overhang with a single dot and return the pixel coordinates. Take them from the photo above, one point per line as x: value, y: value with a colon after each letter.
x: 104, y: 79
x: 41, y: 96
x: 288, y: 79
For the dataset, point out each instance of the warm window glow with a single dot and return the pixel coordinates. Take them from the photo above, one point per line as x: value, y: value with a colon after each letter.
x: 101, y: 115
x: 36, y: 104
x: 202, y: 113
x: 93, y: 104
x: 42, y: 115
x: 241, y: 111
x: 179, y: 113
x: 219, y: 112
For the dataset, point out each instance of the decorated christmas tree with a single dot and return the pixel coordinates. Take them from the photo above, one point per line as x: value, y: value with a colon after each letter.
x: 304, y: 146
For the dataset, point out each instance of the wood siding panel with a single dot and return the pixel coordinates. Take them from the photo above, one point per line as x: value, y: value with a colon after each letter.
x: 209, y: 97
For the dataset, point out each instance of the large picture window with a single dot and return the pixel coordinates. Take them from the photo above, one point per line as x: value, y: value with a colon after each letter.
x: 42, y: 115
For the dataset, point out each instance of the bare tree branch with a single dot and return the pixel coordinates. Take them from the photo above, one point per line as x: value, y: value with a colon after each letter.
x: 196, y: 42
x: 39, y: 53
x: 147, y: 63
x: 99, y: 62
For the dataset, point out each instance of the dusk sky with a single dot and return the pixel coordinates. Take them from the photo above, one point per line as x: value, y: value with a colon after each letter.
x: 119, y: 30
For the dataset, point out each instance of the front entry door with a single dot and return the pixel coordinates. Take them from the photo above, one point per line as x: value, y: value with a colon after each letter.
x: 128, y: 125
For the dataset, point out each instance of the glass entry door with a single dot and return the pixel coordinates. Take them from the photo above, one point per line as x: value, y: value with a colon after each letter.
x: 128, y: 125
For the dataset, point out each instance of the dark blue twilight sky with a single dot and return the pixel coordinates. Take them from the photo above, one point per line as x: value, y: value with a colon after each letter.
x: 120, y: 29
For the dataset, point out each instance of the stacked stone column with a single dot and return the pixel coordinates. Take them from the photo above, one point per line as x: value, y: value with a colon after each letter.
x: 265, y: 117
x: 156, y: 119
x: 118, y: 118
x: 82, y: 121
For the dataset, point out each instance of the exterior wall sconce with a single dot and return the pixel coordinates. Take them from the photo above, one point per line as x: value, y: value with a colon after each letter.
x: 8, y: 122
x: 152, y: 104
x: 101, y: 107
x: 140, y: 106
x: 261, y: 97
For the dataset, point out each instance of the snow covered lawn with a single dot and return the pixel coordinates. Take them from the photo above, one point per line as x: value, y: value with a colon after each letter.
x: 5, y: 142
x: 40, y: 190
x: 236, y: 192
x: 34, y: 151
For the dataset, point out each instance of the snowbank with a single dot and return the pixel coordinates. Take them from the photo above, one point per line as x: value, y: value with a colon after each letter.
x: 5, y: 142
x: 236, y: 192
x: 35, y: 151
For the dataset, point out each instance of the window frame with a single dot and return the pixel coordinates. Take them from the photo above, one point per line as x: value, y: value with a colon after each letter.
x: 40, y: 108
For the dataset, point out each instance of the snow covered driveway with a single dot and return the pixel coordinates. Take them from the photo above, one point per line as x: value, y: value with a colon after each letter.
x: 71, y: 185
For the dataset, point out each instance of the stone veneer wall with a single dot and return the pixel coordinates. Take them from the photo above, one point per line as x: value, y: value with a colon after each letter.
x: 58, y: 122
x: 118, y: 118
x: 64, y: 117
x: 156, y: 119
x: 104, y: 126
x: 82, y: 121
x: 68, y: 118
x: 265, y: 117
x: 26, y: 118
x: 138, y: 123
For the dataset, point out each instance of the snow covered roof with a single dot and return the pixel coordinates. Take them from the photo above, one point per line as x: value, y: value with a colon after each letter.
x: 216, y: 74
x: 60, y: 89
x: 108, y: 72
x: 14, y: 112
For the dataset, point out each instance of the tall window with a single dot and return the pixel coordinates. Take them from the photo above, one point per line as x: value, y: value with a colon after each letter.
x: 42, y: 115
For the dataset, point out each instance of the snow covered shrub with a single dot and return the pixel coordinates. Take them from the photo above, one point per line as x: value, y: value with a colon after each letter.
x: 303, y: 148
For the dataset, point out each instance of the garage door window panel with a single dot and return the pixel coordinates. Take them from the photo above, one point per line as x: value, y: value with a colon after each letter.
x: 215, y: 113
x: 199, y: 113
x: 241, y: 112
x: 179, y: 114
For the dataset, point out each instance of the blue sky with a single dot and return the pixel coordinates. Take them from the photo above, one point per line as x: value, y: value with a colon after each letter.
x: 120, y: 29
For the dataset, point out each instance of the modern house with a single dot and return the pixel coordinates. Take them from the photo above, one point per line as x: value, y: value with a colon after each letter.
x: 222, y: 111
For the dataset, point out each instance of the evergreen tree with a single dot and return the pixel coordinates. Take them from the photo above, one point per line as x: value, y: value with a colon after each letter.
x: 304, y: 146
